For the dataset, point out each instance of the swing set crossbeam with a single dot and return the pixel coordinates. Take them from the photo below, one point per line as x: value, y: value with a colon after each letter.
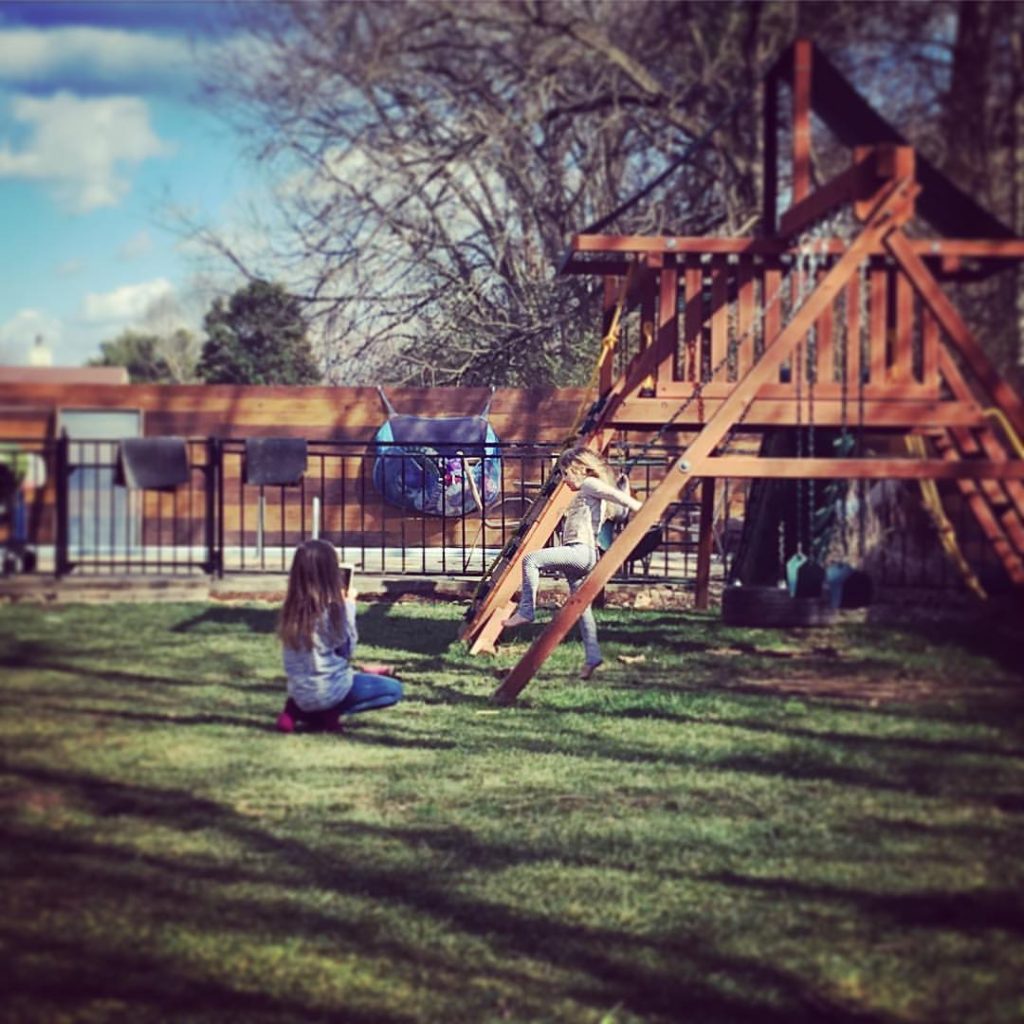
x: 742, y: 467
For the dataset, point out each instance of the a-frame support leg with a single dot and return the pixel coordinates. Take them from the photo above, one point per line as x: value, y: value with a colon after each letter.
x: 894, y: 206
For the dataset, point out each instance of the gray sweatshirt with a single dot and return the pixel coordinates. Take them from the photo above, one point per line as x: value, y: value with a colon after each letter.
x: 321, y: 677
x: 587, y: 511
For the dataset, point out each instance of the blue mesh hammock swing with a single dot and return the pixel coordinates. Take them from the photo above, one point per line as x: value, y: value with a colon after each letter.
x: 437, y: 465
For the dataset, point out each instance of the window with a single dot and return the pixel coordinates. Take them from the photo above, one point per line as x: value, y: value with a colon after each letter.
x: 102, y: 519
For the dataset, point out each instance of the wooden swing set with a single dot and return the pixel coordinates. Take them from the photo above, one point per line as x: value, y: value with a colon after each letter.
x: 744, y: 329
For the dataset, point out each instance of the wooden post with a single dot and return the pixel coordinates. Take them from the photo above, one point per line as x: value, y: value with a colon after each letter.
x: 719, y: 315
x: 693, y: 319
x: 612, y: 287
x: 705, y: 544
x: 770, y: 147
x: 802, y: 66
x: 667, y: 323
x: 745, y: 316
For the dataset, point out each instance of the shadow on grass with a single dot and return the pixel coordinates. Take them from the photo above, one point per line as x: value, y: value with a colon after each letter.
x: 61, y: 707
x: 63, y: 976
x: 966, y: 912
x: 384, y: 625
x: 648, y: 975
x: 38, y: 659
x: 993, y: 633
x: 230, y: 619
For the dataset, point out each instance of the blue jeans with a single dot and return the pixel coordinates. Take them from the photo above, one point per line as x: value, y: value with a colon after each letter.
x: 370, y: 692
x: 574, y: 562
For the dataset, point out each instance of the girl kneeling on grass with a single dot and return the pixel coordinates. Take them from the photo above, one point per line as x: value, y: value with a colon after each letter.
x: 317, y: 627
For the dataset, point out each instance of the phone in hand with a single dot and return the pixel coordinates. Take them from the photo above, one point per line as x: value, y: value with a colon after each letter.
x: 347, y: 575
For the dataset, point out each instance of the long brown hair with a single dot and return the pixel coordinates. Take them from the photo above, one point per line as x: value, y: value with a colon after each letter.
x: 314, y: 586
x: 579, y: 462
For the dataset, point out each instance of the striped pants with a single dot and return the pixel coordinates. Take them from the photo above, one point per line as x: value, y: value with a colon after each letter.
x: 573, y: 561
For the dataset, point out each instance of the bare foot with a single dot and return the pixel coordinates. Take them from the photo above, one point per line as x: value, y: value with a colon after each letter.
x: 515, y: 619
x: 589, y: 669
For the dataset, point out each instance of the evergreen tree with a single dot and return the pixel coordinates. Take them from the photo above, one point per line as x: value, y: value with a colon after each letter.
x: 140, y: 353
x: 258, y: 337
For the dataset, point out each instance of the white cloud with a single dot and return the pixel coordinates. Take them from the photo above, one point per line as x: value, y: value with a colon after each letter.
x: 124, y: 305
x: 78, y: 146
x: 18, y: 334
x: 69, y: 268
x: 138, y: 245
x: 80, y: 57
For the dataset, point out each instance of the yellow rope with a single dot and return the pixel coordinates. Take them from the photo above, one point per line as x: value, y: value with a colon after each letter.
x: 1014, y: 438
x: 608, y: 343
x: 947, y: 535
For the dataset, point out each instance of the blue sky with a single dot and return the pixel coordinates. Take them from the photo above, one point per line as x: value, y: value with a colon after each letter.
x: 102, y: 137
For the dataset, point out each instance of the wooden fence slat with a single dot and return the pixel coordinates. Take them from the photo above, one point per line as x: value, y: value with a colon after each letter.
x: 719, y: 316
x: 877, y: 299
x: 744, y: 315
x: 903, y: 331
x: 693, y: 319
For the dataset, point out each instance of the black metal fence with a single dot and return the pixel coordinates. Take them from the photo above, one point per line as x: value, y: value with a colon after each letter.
x: 70, y: 513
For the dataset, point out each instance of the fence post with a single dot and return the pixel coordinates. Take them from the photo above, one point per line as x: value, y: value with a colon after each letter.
x: 61, y: 561
x: 212, y: 486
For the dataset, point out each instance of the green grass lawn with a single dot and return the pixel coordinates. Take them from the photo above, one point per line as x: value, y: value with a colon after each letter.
x: 745, y: 826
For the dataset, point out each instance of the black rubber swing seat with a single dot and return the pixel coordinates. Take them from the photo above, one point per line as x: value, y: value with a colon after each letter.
x: 773, y: 607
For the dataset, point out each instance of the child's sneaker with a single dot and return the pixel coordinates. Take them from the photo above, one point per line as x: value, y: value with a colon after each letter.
x: 515, y: 619
x: 290, y: 714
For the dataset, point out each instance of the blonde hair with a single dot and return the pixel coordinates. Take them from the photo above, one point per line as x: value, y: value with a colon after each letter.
x: 315, y: 586
x: 579, y: 462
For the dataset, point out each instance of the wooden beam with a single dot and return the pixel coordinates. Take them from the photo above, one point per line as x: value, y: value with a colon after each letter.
x: 878, y: 279
x: 667, y: 323
x: 841, y: 189
x: 719, y: 315
x: 958, y: 331
x: 803, y: 60
x: 705, y: 544
x: 745, y: 310
x: 825, y: 391
x: 903, y: 330
x: 878, y: 414
x: 732, y: 409
x: 693, y: 319
x: 770, y: 153
x: 931, y: 249
x: 753, y: 467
